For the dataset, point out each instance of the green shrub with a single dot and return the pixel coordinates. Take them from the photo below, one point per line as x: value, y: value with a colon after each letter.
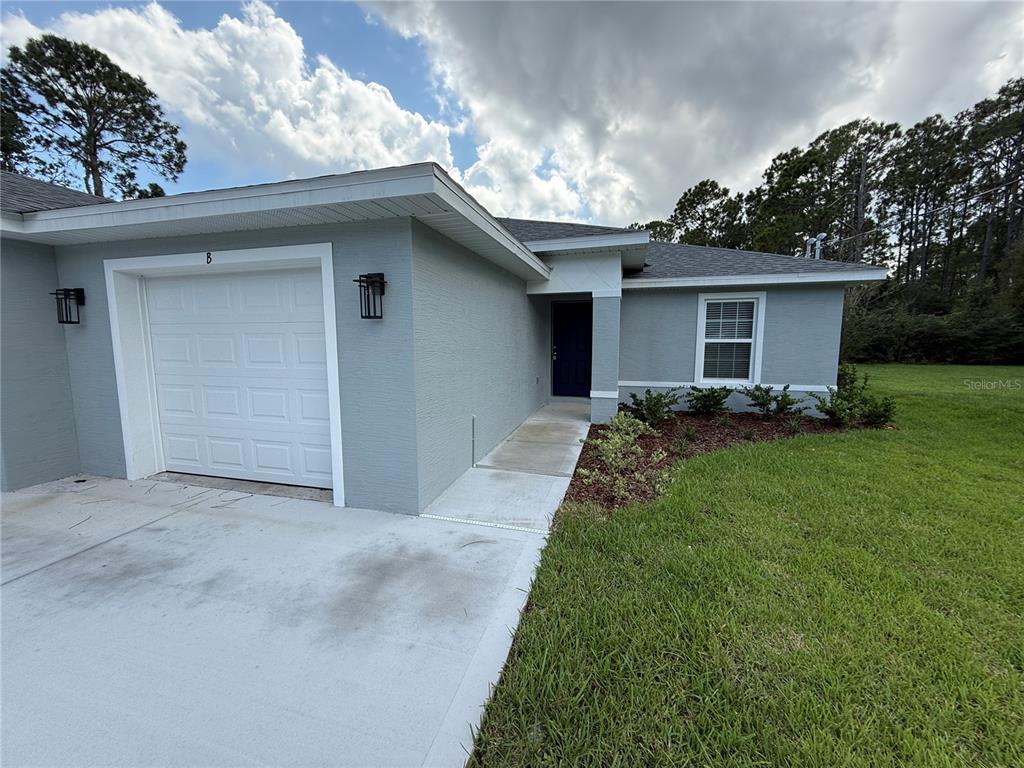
x: 764, y: 399
x: 621, y: 455
x: 878, y: 411
x: 846, y: 376
x: 795, y: 424
x: 654, y: 407
x: 708, y: 400
x: 761, y: 397
x: 849, y: 403
x: 784, y: 404
x: 838, y: 408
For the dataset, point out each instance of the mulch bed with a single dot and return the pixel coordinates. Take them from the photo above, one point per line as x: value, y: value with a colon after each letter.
x: 707, y: 434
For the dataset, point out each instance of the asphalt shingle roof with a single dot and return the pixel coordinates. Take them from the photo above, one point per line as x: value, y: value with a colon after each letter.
x: 528, y: 230
x: 20, y: 194
x: 683, y: 260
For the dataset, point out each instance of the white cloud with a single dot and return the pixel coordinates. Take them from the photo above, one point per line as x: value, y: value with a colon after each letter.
x: 606, y: 110
x: 628, y: 104
x: 509, y: 181
x: 248, y: 95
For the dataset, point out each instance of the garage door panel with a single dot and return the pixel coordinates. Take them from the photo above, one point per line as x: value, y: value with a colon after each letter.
x: 241, y: 375
x: 270, y: 296
x: 173, y: 350
x: 219, y: 350
x: 267, y: 400
x: 298, y: 348
x: 221, y: 402
x: 312, y: 406
x: 316, y: 460
x: 279, y: 457
x: 226, y: 453
x: 183, y: 451
x: 269, y: 404
x: 177, y: 400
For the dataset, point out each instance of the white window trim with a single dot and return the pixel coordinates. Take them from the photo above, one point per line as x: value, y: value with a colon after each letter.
x: 795, y: 388
x: 133, y: 363
x: 759, y: 297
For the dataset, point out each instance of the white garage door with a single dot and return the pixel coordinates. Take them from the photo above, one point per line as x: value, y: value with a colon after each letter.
x: 241, y: 376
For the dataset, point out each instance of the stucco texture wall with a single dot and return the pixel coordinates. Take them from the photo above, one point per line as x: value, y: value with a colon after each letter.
x: 376, y: 356
x: 801, y: 335
x: 480, y: 349
x: 37, y: 426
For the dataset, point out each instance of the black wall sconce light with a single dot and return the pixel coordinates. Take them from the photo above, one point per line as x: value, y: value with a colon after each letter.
x: 68, y: 302
x: 371, y: 295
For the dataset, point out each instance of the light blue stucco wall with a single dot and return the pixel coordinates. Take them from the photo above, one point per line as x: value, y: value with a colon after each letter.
x: 802, y: 328
x: 37, y: 427
x: 594, y: 272
x: 657, y: 335
x: 481, y: 346
x: 376, y: 356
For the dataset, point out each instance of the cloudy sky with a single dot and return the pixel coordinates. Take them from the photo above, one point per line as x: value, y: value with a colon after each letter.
x: 601, y: 112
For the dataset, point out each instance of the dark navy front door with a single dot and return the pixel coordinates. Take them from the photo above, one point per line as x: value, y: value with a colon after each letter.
x: 570, y: 348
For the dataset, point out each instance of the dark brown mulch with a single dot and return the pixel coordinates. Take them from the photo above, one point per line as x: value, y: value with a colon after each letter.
x: 708, y: 433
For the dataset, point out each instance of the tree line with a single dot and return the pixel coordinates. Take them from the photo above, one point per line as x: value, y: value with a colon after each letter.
x: 939, y: 204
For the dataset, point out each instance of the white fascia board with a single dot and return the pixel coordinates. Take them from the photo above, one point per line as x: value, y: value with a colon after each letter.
x: 852, y: 276
x: 589, y: 242
x: 12, y: 223
x: 464, y: 204
x: 352, y: 187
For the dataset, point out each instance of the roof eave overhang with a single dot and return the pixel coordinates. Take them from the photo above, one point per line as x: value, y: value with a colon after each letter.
x: 796, y: 278
x: 421, y: 191
x: 12, y: 223
x: 469, y: 208
x: 631, y: 245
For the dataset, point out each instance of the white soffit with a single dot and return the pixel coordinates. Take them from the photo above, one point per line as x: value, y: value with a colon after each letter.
x: 422, y: 191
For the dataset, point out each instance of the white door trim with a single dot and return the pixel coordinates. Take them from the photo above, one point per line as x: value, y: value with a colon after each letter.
x: 133, y: 365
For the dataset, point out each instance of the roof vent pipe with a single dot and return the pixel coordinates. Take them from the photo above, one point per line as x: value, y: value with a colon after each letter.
x: 817, y: 244
x: 810, y: 244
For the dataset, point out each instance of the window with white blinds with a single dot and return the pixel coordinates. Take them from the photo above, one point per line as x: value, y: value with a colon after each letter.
x: 728, y: 339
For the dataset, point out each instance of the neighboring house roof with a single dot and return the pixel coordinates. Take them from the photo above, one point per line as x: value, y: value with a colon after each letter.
x: 680, y: 260
x: 21, y: 194
x: 527, y: 230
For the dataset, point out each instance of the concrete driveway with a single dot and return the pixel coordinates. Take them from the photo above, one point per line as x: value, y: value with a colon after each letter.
x: 155, y: 623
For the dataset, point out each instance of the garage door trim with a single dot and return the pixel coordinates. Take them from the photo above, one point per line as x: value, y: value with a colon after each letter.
x: 133, y: 358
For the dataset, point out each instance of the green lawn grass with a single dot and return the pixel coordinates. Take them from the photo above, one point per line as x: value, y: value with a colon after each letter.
x: 829, y: 600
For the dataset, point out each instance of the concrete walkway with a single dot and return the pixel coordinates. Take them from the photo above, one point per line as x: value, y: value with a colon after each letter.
x: 522, y: 481
x: 158, y: 623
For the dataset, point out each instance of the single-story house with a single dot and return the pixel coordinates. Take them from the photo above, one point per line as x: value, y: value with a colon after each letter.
x: 372, y: 332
